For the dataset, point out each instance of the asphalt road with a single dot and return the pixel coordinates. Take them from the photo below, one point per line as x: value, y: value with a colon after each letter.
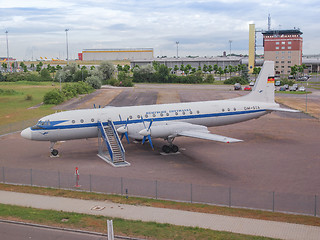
x: 12, y: 231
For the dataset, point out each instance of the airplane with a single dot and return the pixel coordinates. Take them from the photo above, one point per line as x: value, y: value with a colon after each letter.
x: 166, y: 121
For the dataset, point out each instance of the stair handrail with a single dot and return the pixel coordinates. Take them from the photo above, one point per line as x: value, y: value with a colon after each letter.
x: 106, y: 140
x: 116, y: 135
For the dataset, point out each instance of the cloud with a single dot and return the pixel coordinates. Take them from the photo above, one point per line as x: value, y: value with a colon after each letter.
x: 203, y: 27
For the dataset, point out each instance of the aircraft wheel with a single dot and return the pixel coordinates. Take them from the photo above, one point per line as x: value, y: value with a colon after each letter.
x: 166, y: 149
x: 174, y: 148
x: 54, y: 152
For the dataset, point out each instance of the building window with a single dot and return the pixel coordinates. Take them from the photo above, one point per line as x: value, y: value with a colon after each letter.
x: 282, y: 66
x: 289, y: 52
x: 277, y: 47
x: 282, y: 52
x: 283, y: 47
x: 277, y: 66
x: 283, y: 42
x: 289, y: 42
x: 277, y: 43
x: 282, y: 61
x: 289, y: 57
x: 277, y: 57
x: 277, y: 52
x: 282, y: 57
x: 289, y: 47
x: 277, y: 61
x: 289, y: 61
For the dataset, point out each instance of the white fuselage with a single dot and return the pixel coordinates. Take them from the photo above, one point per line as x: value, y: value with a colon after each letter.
x: 78, y: 124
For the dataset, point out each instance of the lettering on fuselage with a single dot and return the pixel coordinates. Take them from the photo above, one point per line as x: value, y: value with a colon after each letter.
x: 252, y: 108
x: 170, y: 111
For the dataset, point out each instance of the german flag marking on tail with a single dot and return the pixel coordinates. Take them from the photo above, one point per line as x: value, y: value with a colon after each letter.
x: 270, y: 79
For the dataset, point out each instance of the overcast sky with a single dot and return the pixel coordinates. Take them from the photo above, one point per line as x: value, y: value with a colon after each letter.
x: 202, y: 27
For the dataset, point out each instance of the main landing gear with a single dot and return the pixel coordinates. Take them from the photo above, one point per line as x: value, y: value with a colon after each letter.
x: 171, y: 148
x: 54, y: 152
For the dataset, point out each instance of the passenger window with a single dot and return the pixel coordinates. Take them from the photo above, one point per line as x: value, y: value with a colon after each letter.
x: 146, y: 116
x: 176, y: 113
x: 73, y: 121
x: 81, y: 120
x: 167, y: 114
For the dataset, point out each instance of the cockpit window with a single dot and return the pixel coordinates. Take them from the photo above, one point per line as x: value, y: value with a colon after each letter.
x: 41, y: 125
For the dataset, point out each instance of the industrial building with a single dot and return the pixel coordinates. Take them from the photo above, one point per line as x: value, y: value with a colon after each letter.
x: 284, y: 47
x: 115, y: 54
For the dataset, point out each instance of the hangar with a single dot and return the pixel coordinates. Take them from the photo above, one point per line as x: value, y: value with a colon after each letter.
x: 116, y: 54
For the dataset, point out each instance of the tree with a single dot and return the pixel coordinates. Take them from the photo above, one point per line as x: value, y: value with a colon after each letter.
x: 199, y: 68
x: 45, y: 75
x: 210, y: 69
x: 256, y: 71
x: 182, y: 68
x: 5, y: 66
x: 230, y: 69
x: 32, y: 66
x: 176, y: 68
x: 205, y: 68
x: 294, y: 70
x: 119, y: 68
x: 106, y: 69
x: 220, y: 72
x: 143, y: 74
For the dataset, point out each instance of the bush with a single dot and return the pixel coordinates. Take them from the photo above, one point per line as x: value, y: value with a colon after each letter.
x: 82, y: 88
x: 209, y: 78
x: 94, y: 81
x: 124, y: 80
x: 8, y: 92
x: 113, y: 82
x: 69, y: 91
x: 106, y: 69
x: 234, y: 80
x: 45, y: 75
x: 28, y: 97
x: 53, y: 97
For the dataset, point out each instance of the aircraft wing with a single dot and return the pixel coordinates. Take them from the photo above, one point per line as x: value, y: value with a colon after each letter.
x: 208, y: 136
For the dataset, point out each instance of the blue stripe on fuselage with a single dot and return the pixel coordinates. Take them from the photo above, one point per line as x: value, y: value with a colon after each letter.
x: 159, y: 119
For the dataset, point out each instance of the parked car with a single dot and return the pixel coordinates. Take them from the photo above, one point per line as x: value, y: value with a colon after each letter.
x: 286, y: 86
x: 277, y: 83
x: 302, y: 89
x: 247, y: 88
x: 251, y: 84
x: 292, y: 88
x: 295, y: 86
x: 304, y: 78
x: 237, y: 86
x: 283, y: 88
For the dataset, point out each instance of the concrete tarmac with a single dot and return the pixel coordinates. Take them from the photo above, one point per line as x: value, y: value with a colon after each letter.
x: 176, y: 217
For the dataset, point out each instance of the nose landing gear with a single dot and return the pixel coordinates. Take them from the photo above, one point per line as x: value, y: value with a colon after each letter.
x: 54, y: 152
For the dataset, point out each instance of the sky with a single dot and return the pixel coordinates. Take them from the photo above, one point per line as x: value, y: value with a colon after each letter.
x: 36, y: 28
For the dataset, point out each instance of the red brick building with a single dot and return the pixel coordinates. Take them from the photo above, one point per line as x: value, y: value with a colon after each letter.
x: 284, y: 47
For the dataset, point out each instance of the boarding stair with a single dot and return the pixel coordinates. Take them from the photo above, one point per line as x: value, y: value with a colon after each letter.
x: 110, y: 146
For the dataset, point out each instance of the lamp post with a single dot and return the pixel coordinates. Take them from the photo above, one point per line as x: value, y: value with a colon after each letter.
x: 67, y: 45
x: 8, y: 62
x: 177, y: 49
x: 230, y: 41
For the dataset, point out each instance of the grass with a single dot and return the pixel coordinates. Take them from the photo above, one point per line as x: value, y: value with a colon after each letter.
x: 203, y: 208
x: 293, y: 92
x: 14, y: 108
x: 150, y: 230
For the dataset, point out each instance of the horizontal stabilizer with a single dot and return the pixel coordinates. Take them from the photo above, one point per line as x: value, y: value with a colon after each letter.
x: 208, y: 136
x: 283, y: 110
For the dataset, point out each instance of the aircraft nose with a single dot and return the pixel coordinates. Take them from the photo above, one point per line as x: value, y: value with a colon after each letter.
x: 26, y: 133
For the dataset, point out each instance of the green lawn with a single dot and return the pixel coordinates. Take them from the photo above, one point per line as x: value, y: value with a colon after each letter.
x: 150, y: 230
x: 14, y: 108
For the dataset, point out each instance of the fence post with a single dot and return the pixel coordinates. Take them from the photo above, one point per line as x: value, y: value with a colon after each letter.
x: 31, y: 177
x: 229, y: 196
x: 191, y: 192
x: 156, y: 189
x: 59, y: 179
x: 273, y: 201
x: 90, y: 183
x: 315, y: 205
x: 3, y: 176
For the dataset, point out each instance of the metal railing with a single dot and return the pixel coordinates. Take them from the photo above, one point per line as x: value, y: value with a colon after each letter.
x: 194, y: 193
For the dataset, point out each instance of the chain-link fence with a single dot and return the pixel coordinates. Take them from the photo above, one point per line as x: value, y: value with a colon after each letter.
x: 216, y: 195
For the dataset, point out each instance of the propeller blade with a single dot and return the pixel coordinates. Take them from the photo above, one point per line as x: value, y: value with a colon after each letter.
x: 127, y: 137
x: 149, y: 137
x: 150, y: 124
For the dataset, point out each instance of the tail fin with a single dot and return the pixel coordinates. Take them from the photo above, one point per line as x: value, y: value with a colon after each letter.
x: 263, y: 90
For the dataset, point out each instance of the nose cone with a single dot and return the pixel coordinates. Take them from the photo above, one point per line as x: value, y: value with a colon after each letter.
x: 27, y: 134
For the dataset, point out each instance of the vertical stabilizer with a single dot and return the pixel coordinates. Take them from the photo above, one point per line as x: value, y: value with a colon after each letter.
x: 263, y: 90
